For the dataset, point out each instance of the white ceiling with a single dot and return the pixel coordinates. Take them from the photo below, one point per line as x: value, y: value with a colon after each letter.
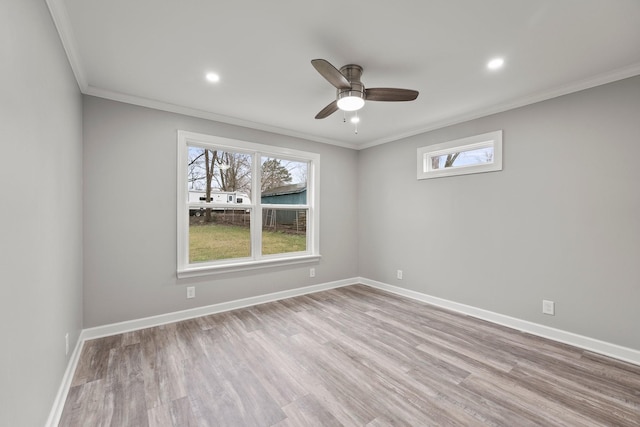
x: 156, y: 53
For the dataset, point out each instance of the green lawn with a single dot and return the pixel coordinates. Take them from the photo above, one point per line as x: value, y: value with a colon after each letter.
x: 215, y: 241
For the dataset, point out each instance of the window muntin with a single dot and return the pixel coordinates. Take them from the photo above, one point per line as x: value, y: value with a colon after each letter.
x: 475, y: 154
x: 222, y: 226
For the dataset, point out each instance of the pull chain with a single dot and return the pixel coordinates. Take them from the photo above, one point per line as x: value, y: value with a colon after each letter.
x: 355, y: 120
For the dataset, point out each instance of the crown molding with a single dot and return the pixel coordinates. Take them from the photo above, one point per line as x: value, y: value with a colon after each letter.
x: 193, y: 112
x: 60, y: 18
x: 590, y: 82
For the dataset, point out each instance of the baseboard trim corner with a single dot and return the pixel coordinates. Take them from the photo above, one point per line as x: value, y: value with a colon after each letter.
x: 615, y: 351
x: 65, y: 385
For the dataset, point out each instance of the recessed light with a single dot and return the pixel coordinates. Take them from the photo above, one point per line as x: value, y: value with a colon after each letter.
x: 495, y: 63
x: 213, y: 77
x: 355, y: 119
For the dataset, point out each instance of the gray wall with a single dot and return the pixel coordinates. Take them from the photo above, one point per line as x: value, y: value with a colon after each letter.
x: 560, y: 222
x: 130, y: 216
x: 41, y: 215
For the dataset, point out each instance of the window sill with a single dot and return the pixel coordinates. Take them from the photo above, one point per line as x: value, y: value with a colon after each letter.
x: 244, y: 266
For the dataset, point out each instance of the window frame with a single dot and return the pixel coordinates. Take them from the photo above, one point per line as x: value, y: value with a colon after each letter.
x: 185, y: 139
x: 489, y: 139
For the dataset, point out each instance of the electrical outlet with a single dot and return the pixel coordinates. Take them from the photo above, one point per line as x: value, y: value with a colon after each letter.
x: 312, y: 272
x: 399, y: 274
x: 191, y: 292
x: 66, y: 344
x: 548, y: 307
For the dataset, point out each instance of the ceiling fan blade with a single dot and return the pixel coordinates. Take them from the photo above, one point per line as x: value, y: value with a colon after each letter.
x: 328, y: 110
x: 390, y: 94
x: 331, y: 73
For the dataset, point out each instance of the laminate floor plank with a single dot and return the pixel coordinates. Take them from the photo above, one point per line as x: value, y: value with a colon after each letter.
x: 243, y: 395
x: 314, y: 382
x: 281, y: 385
x: 454, y: 339
x: 124, y: 388
x: 160, y: 416
x: 350, y: 356
x: 161, y: 367
x: 397, y: 393
x: 597, y: 406
x: 486, y: 411
x: 529, y: 405
x: 84, y: 405
x: 94, y: 358
x: 308, y: 411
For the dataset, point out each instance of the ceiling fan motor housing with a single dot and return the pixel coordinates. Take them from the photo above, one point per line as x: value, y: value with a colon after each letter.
x: 352, y: 72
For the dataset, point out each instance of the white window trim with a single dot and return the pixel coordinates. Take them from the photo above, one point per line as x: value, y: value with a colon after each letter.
x: 312, y: 254
x: 490, y: 139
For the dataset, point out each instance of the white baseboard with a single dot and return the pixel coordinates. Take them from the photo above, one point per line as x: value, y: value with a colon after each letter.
x: 602, y: 347
x: 163, y: 319
x: 65, y: 385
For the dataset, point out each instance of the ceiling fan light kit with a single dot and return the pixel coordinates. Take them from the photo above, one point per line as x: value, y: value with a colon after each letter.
x: 350, y: 91
x: 348, y: 102
x: 351, y: 99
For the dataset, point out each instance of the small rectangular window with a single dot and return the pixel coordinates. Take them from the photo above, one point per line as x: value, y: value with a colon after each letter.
x: 475, y: 154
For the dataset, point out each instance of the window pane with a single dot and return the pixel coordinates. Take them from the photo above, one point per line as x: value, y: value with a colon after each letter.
x: 472, y: 157
x: 283, y: 181
x: 284, y: 230
x: 218, y: 176
x: 219, y: 234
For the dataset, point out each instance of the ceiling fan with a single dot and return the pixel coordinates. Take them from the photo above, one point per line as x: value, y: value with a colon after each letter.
x: 351, y: 93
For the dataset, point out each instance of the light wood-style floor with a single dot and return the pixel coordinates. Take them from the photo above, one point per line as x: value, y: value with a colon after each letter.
x: 352, y: 356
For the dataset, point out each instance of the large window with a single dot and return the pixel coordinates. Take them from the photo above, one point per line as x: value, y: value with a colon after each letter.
x: 244, y: 205
x: 475, y: 154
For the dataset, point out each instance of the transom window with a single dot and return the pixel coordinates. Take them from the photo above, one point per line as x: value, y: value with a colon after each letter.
x: 475, y: 154
x: 244, y: 205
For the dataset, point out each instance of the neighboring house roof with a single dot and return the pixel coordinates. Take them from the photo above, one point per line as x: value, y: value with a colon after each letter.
x: 285, y: 189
